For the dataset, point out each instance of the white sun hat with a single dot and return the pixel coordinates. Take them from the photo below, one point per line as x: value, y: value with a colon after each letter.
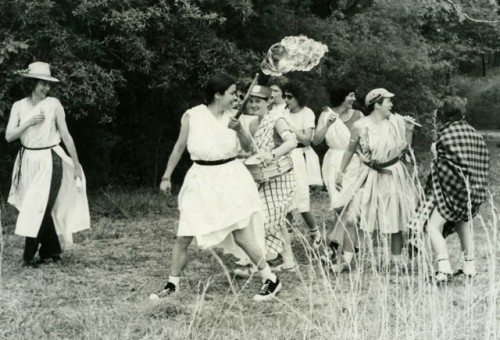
x: 39, y: 70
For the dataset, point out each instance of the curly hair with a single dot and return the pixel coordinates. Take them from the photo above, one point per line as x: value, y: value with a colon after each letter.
x: 297, y: 89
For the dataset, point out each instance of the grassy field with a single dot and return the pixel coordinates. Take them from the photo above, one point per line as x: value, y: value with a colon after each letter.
x: 101, y: 288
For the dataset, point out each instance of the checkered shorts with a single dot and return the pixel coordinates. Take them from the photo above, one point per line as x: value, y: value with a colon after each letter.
x: 277, y: 195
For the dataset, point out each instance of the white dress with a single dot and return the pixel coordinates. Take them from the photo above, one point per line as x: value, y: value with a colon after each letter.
x: 30, y: 192
x: 383, y: 199
x: 337, y: 138
x: 305, y: 161
x: 216, y: 200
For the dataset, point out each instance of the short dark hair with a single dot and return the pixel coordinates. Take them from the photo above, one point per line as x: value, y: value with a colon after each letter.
x: 28, y: 85
x: 280, y: 81
x: 296, y: 89
x: 219, y: 83
x: 371, y: 107
x: 453, y: 109
x: 338, y: 93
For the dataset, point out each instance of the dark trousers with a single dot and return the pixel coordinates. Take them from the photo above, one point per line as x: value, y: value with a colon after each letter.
x: 47, y: 239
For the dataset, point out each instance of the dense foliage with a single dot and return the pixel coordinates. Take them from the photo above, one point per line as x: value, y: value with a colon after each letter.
x: 130, y: 68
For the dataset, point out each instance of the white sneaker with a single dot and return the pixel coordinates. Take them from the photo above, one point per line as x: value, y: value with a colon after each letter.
x: 341, y: 267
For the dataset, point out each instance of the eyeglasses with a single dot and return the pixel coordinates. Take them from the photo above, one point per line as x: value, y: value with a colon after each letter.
x: 241, y: 97
x: 288, y: 96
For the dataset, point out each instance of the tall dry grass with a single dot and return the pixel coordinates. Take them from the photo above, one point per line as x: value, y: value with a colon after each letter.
x: 100, y: 291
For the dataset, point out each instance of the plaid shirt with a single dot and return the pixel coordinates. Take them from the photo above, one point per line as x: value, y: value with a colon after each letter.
x: 459, y: 173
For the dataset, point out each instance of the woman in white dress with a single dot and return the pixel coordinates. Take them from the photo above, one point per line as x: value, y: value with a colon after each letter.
x: 218, y: 202
x: 383, y: 194
x: 305, y: 161
x: 48, y: 187
x: 334, y: 126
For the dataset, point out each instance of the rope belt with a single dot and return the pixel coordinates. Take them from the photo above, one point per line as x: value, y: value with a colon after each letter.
x: 21, y: 153
x: 217, y: 162
x: 380, y: 167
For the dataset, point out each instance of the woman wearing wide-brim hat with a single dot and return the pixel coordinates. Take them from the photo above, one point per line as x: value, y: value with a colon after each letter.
x: 48, y: 186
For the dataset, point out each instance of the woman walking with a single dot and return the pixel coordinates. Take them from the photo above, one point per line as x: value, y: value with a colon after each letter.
x: 219, y: 204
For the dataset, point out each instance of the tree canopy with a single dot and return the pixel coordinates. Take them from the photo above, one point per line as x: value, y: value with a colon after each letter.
x: 130, y: 68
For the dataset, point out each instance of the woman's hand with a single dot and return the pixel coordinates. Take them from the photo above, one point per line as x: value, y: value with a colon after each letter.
x: 234, y: 124
x: 433, y: 150
x: 331, y: 117
x: 78, y: 174
x: 166, y: 185
x: 266, y: 158
x: 36, y: 119
x: 338, y: 181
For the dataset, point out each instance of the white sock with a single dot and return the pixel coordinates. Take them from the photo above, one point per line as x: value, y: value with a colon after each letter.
x: 397, y: 259
x: 469, y: 265
x: 174, y: 280
x: 444, y: 265
x: 347, y: 256
x: 266, y: 274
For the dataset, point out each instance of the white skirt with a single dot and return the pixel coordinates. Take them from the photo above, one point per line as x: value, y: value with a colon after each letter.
x: 331, y: 169
x: 216, y: 200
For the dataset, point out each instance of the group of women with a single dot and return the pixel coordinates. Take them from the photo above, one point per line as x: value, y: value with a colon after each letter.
x: 224, y: 204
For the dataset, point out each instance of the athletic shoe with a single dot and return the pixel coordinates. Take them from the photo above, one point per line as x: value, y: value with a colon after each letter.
x: 315, y: 239
x: 269, y: 290
x: 440, y: 279
x: 168, y: 290
x: 461, y: 274
x: 48, y: 260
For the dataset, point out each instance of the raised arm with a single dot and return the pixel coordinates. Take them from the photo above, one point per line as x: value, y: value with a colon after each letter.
x: 323, y: 125
x: 14, y: 128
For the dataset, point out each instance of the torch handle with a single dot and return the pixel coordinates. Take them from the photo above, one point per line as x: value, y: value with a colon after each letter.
x: 247, y: 96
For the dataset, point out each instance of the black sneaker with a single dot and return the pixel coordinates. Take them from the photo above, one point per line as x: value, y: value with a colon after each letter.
x: 48, y: 260
x: 460, y: 274
x: 269, y: 290
x: 168, y: 290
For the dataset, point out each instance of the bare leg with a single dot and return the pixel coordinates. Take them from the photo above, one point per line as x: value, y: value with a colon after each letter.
x: 434, y: 229
x: 180, y: 254
x: 309, y: 219
x: 396, y: 243
x: 287, y: 254
x: 243, y: 238
x: 464, y: 232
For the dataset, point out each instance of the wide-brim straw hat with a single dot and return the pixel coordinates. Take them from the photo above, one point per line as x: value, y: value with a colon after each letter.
x: 38, y: 70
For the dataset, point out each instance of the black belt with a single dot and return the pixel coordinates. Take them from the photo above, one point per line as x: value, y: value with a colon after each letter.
x: 300, y: 145
x: 217, y: 162
x: 42, y: 148
x: 380, y: 167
